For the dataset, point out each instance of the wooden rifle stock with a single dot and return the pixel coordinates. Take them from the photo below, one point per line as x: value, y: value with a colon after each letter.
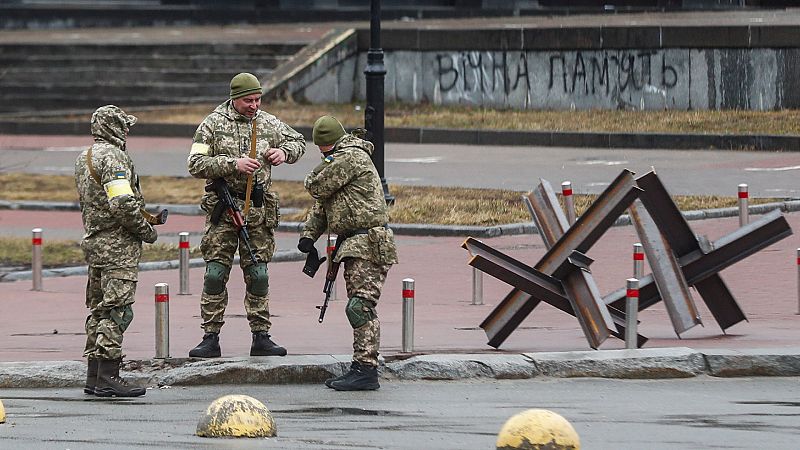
x: 330, y: 278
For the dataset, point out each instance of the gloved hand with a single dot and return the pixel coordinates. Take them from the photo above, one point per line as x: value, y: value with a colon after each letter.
x: 305, y: 245
x: 150, y: 234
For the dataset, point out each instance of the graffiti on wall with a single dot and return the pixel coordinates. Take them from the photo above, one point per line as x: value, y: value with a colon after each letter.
x: 557, y: 79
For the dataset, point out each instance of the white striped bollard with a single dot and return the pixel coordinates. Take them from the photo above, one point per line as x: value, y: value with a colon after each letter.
x: 638, y: 261
x: 569, y: 201
x: 477, y: 287
x: 408, y: 315
x: 162, y: 320
x: 36, y: 259
x: 798, y: 281
x: 183, y: 268
x: 631, y: 312
x: 329, y: 251
x: 744, y: 218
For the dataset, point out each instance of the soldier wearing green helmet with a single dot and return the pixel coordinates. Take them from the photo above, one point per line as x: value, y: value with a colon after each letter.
x: 240, y: 144
x: 350, y: 203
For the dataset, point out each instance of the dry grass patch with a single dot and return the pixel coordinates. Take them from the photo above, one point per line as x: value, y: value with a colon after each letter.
x: 16, y: 252
x: 415, y: 204
x: 426, y: 115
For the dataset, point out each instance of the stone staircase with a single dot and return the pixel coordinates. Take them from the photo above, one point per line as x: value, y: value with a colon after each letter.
x: 45, y: 77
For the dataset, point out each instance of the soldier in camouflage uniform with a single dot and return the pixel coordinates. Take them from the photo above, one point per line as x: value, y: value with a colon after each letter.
x: 110, y: 200
x: 220, y: 150
x: 350, y: 203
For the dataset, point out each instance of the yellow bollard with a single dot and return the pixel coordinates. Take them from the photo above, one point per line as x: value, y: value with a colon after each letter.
x: 2, y: 413
x: 236, y: 416
x: 538, y: 429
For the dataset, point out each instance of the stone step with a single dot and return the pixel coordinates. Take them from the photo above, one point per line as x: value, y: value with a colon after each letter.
x: 233, y: 62
x: 150, y: 49
x: 22, y: 103
x: 25, y: 74
x: 110, y: 88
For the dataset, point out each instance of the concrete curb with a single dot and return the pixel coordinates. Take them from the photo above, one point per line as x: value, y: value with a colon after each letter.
x: 279, y: 256
x: 414, y: 135
x: 655, y: 363
x: 417, y: 229
x: 404, y: 229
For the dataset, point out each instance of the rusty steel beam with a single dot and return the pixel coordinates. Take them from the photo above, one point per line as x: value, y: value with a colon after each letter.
x: 518, y: 304
x: 667, y: 273
x: 546, y: 213
x: 699, y: 267
x: 593, y: 223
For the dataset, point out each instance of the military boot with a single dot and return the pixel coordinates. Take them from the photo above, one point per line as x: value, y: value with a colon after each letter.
x: 208, y: 348
x: 110, y: 384
x: 263, y: 345
x: 360, y: 378
x: 337, y: 378
x: 91, y: 376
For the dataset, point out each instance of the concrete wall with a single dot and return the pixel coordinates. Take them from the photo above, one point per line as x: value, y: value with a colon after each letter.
x: 646, y: 77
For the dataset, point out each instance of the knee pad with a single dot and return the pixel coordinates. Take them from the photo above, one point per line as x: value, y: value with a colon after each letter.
x: 122, y: 316
x: 215, y: 278
x: 359, y: 311
x: 257, y: 279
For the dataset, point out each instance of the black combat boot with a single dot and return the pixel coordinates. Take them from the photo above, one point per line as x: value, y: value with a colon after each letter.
x: 263, y: 345
x: 91, y: 376
x: 360, y: 378
x: 110, y: 384
x: 337, y: 378
x: 208, y: 348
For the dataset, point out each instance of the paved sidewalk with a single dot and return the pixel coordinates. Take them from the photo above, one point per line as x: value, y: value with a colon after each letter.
x: 48, y: 325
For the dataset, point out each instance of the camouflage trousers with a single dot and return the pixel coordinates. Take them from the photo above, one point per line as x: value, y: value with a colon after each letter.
x: 364, y: 279
x: 220, y: 243
x: 109, y: 297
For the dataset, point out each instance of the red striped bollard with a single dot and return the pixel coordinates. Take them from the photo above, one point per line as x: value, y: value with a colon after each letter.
x: 744, y: 218
x: 36, y: 259
x: 638, y: 261
x: 569, y: 202
x: 631, y: 312
x: 329, y: 251
x: 183, y: 263
x: 408, y: 315
x: 162, y: 320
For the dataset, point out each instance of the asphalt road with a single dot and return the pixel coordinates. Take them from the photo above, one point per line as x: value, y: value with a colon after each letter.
x: 703, y: 412
x: 684, y: 172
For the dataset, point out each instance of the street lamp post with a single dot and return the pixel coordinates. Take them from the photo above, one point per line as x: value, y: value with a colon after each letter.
x: 375, y: 73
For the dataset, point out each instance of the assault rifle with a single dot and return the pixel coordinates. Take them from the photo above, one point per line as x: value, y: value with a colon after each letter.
x: 330, y: 277
x: 226, y: 203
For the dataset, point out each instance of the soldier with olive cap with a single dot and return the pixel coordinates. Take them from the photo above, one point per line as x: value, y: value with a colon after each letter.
x: 350, y: 203
x: 220, y: 149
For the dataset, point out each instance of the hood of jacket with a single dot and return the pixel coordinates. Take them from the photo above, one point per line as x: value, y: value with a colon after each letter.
x: 111, y: 124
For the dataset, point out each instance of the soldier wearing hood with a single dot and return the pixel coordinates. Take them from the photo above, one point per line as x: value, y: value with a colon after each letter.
x: 350, y: 203
x: 220, y: 149
x: 111, y: 203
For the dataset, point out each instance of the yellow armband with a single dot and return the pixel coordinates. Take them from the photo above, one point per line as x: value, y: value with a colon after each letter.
x: 202, y: 149
x: 118, y: 187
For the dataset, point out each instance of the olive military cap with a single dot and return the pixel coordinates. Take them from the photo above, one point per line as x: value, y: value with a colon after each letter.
x: 244, y: 84
x: 327, y: 130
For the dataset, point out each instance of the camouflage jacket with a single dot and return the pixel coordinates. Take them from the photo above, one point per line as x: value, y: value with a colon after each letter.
x: 114, y: 226
x: 225, y: 135
x: 349, y: 202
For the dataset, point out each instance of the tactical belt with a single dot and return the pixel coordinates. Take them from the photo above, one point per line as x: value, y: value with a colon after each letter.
x: 256, y: 195
x: 364, y: 230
